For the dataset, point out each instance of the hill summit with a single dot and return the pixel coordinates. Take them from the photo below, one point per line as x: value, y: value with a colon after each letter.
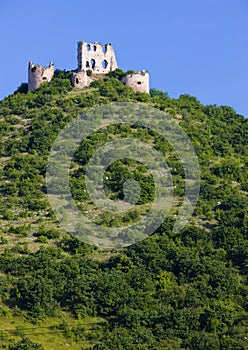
x: 184, y: 290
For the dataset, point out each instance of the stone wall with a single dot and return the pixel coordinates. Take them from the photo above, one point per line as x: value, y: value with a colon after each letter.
x: 80, y: 80
x: 38, y: 74
x: 99, y: 58
x: 138, y: 81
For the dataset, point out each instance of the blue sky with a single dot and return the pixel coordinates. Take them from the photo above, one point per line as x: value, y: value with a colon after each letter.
x: 199, y: 47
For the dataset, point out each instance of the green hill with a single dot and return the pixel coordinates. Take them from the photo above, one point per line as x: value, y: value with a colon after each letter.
x: 186, y: 290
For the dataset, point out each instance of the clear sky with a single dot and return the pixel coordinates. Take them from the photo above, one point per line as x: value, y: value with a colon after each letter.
x: 199, y: 47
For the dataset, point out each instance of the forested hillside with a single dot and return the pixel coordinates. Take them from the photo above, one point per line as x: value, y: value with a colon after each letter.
x: 185, y: 290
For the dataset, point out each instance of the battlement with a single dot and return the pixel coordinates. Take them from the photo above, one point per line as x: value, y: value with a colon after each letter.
x: 38, y: 74
x: 99, y: 58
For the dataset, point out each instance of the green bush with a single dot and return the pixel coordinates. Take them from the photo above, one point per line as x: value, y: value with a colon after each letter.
x: 49, y: 233
x: 26, y: 344
x: 89, y: 72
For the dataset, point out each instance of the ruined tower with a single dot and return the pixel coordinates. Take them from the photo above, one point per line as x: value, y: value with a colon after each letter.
x: 99, y: 58
x: 38, y: 74
x: 138, y: 81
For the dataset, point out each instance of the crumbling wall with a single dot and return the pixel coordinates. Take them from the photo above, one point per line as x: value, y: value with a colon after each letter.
x: 38, y: 74
x: 100, y: 59
x: 96, y: 57
x: 138, y: 81
x: 80, y: 80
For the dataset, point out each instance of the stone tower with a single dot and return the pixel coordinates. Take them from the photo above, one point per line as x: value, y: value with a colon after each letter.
x: 99, y: 58
x: 38, y: 74
x: 138, y: 81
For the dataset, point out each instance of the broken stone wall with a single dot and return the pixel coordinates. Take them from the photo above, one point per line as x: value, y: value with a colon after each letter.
x: 38, y: 74
x: 96, y: 57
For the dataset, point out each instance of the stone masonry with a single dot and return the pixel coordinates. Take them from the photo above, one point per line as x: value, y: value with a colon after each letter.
x: 80, y: 80
x: 139, y: 81
x: 99, y: 58
x: 94, y: 58
x: 38, y: 74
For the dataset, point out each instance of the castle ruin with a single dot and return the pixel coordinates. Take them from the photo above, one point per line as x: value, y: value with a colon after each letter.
x: 138, y: 81
x: 99, y: 58
x: 38, y: 74
x: 94, y: 60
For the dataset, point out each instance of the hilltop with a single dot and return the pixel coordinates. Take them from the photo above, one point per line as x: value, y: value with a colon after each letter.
x: 186, y: 290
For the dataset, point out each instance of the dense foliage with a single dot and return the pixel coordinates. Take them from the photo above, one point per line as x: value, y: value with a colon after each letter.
x: 172, y: 291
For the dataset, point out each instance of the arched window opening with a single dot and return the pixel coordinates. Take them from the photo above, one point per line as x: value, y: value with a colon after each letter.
x: 104, y: 49
x: 88, y: 47
x: 94, y: 47
x: 139, y: 83
x: 87, y: 64
x: 93, y: 63
x: 104, y: 64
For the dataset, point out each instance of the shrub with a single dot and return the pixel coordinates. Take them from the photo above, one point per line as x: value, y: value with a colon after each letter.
x: 50, y: 233
x: 26, y: 344
x: 89, y: 72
